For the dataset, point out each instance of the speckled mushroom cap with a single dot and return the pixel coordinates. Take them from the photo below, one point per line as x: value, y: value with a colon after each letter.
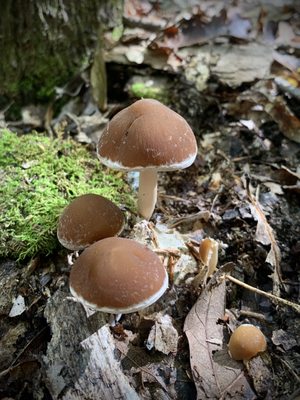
x: 118, y: 275
x: 246, y: 342
x: 87, y: 219
x: 147, y: 134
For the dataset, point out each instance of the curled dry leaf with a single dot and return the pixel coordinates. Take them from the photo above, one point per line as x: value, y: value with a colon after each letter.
x: 261, y: 103
x: 265, y: 235
x: 287, y: 121
x: 215, y: 374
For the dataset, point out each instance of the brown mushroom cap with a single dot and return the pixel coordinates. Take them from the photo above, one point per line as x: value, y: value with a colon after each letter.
x: 147, y: 134
x: 246, y: 342
x: 118, y: 275
x: 86, y: 219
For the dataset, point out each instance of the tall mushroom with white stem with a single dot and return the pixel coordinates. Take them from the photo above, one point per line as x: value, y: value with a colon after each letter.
x: 147, y: 137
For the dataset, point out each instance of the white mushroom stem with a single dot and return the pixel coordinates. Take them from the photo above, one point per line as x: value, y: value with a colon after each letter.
x: 147, y: 192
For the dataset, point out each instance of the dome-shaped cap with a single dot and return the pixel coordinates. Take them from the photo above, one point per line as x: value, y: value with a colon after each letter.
x: 117, y: 275
x: 147, y: 134
x: 87, y: 219
x: 246, y: 342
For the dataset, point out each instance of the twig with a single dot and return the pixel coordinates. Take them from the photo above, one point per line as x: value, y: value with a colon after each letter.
x: 205, y: 215
x: 277, y: 300
x: 252, y: 314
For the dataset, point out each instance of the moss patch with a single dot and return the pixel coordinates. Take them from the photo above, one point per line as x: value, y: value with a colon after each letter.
x: 156, y: 88
x: 39, y: 176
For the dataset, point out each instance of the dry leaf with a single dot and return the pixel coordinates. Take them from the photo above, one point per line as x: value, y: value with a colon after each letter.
x: 265, y: 235
x: 274, y: 187
x: 287, y: 121
x: 284, y: 339
x: 18, y: 307
x: 243, y: 63
x: 158, y: 373
x: 163, y: 336
x: 215, y: 374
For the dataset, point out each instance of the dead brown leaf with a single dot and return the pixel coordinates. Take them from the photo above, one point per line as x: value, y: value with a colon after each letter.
x: 157, y: 373
x: 215, y: 374
x: 200, y: 28
x: 288, y: 123
x: 261, y: 103
x: 265, y: 235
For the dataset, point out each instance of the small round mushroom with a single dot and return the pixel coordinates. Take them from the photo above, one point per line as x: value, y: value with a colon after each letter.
x: 117, y: 275
x: 87, y: 219
x: 147, y: 137
x: 246, y: 342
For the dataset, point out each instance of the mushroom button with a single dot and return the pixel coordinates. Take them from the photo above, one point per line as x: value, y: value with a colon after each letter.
x: 147, y: 137
x: 87, y: 219
x: 208, y: 252
x: 117, y: 276
x: 246, y: 342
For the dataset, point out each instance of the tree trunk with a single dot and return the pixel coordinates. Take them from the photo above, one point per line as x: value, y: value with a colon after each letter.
x: 44, y: 43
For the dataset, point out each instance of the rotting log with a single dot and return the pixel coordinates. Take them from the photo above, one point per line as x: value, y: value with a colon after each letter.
x: 79, y: 362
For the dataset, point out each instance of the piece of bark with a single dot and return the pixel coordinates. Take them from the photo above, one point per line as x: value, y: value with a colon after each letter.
x: 79, y: 364
x: 9, y: 278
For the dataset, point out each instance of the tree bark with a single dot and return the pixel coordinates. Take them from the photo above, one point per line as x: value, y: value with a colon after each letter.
x: 81, y: 359
x: 44, y: 43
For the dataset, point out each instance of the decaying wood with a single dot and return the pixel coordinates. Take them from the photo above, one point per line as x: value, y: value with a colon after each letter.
x: 81, y: 364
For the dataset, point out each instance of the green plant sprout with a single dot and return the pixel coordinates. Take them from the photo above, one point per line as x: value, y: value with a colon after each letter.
x: 39, y: 176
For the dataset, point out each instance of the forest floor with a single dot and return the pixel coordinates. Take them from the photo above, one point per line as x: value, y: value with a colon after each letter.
x: 234, y: 74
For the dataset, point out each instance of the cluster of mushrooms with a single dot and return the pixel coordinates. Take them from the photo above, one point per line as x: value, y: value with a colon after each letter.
x: 113, y: 274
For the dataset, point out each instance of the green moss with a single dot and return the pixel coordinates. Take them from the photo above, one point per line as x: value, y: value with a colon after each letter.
x: 38, y: 178
x: 146, y: 90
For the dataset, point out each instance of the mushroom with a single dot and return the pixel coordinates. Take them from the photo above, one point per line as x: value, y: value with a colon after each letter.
x: 117, y: 275
x: 208, y: 253
x: 147, y: 137
x: 246, y: 342
x: 87, y: 219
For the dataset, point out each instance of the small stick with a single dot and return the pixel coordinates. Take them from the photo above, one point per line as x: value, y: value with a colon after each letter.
x: 277, y: 300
